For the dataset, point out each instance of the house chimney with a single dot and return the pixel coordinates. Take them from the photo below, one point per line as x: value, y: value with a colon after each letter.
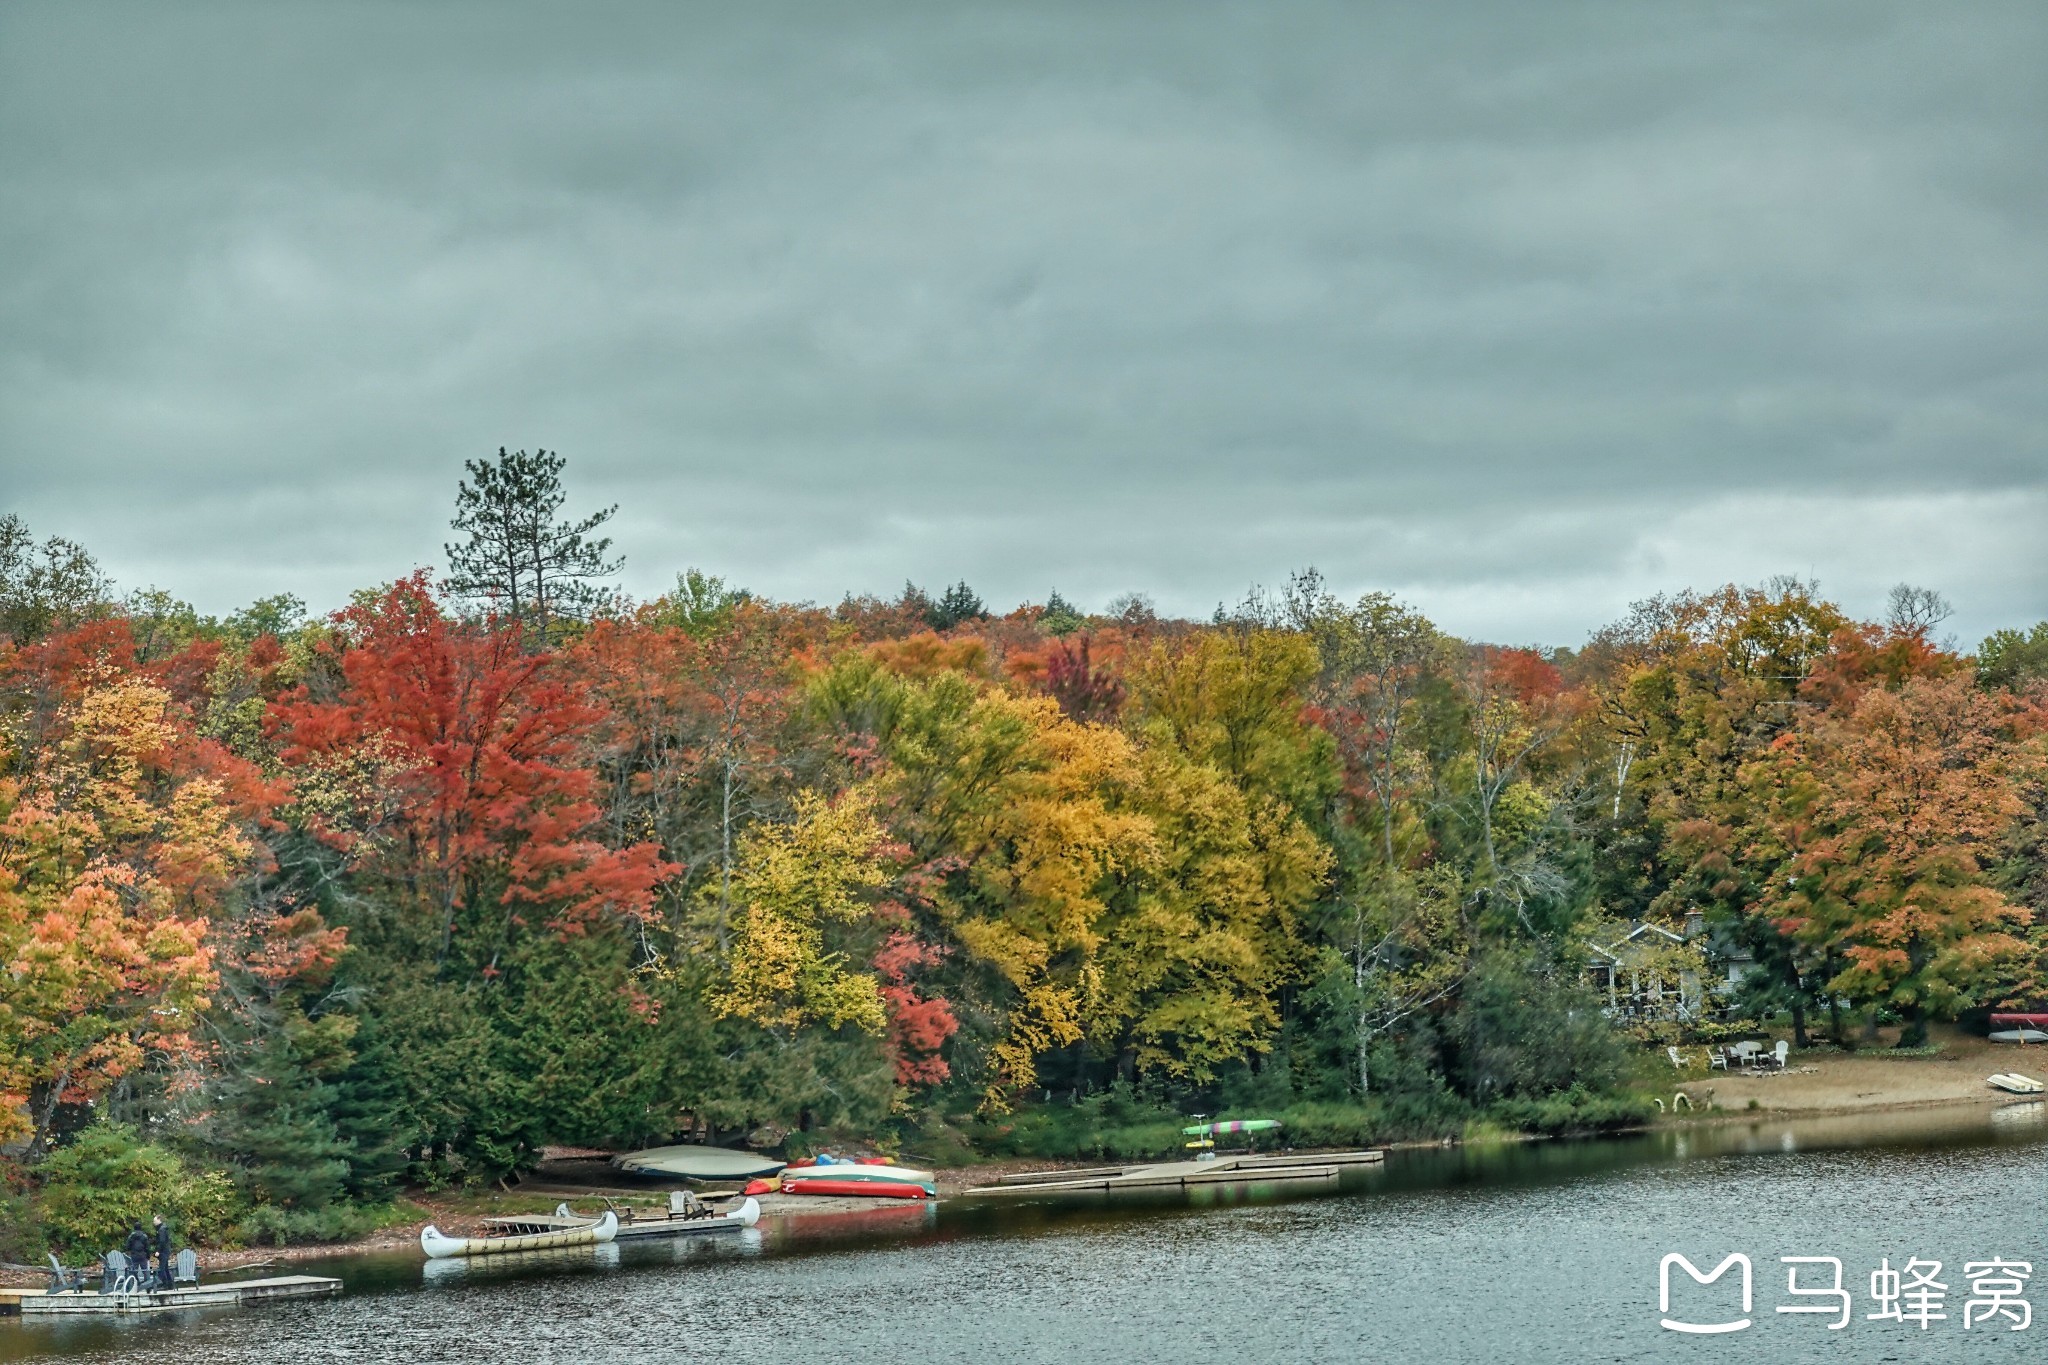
x: 1695, y: 924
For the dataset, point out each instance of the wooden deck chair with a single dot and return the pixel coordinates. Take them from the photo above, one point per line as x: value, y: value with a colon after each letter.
x: 117, y: 1276
x: 63, y: 1279
x: 186, y: 1269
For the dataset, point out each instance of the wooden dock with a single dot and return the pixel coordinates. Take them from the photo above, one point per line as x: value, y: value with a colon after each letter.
x: 225, y: 1293
x: 1252, y: 1167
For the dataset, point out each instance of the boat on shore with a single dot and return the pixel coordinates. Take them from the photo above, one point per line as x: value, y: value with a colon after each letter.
x: 857, y: 1189
x: 2014, y: 1083
x: 694, y: 1161
x: 2007, y: 1027
x: 439, y: 1246
x: 872, y: 1172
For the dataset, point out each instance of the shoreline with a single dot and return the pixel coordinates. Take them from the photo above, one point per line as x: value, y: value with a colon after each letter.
x: 1822, y: 1085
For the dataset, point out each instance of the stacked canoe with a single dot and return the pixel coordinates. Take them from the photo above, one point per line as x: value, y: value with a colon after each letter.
x: 860, y: 1180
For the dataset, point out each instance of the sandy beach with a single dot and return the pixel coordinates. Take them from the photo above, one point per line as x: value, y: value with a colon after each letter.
x: 1826, y: 1082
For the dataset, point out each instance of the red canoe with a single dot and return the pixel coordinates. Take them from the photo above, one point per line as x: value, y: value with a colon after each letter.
x: 864, y: 1189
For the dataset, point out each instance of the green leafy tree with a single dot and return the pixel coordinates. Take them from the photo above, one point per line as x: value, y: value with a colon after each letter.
x: 48, y: 586
x: 107, y: 1179
x: 2014, y: 658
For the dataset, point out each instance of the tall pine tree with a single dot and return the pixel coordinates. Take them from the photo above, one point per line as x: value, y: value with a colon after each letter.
x: 521, y: 560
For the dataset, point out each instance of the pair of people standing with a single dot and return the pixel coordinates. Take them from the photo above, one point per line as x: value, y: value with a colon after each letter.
x: 138, y: 1249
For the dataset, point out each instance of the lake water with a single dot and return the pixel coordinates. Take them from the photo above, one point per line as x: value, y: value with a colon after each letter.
x: 1516, y: 1252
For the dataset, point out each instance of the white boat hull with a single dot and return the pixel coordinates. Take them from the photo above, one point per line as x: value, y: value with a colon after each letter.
x: 847, y: 1170
x: 2014, y: 1083
x: 439, y: 1246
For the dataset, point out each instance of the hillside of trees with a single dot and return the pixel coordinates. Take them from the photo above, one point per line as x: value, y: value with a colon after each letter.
x: 308, y: 911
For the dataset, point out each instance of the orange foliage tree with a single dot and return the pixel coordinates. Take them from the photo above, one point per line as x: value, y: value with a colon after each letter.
x: 443, y: 755
x: 121, y: 835
x: 1885, y: 817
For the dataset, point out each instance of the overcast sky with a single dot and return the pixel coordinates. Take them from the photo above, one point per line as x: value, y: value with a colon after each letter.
x: 1521, y: 311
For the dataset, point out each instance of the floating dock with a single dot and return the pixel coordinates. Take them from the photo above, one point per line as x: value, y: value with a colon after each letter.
x: 225, y: 1293
x: 1223, y: 1170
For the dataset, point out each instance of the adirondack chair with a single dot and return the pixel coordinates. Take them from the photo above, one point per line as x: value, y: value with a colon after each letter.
x: 1677, y: 1058
x: 186, y: 1268
x: 62, y: 1279
x: 117, y: 1276
x: 1717, y: 1059
x: 1781, y: 1053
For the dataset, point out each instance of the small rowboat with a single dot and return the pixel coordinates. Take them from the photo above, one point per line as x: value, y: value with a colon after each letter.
x: 439, y: 1246
x: 2017, y: 1084
x: 860, y: 1189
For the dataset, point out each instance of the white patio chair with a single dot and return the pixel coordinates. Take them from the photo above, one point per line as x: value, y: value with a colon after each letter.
x: 1717, y: 1059
x: 1782, y: 1051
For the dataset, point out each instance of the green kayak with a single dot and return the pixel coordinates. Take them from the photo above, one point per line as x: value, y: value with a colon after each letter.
x: 1233, y: 1126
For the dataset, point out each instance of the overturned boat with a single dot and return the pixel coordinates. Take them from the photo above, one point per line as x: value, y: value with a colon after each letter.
x: 2014, y: 1083
x: 694, y: 1161
x: 439, y: 1246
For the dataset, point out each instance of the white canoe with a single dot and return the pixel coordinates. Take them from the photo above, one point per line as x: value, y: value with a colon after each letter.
x: 2017, y: 1084
x: 440, y: 1246
x: 2018, y: 1035
x: 745, y: 1216
x: 865, y: 1170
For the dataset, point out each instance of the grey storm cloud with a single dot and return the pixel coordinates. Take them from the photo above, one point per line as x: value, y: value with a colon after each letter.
x: 1519, y: 311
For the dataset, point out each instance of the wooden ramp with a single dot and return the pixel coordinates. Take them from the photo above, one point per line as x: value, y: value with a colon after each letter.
x: 39, y: 1302
x: 1224, y: 1170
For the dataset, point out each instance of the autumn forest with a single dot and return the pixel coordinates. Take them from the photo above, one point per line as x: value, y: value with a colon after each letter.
x: 298, y: 913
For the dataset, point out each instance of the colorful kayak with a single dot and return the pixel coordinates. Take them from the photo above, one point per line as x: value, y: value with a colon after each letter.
x: 862, y: 1170
x: 859, y: 1189
x: 439, y: 1246
x: 1232, y: 1126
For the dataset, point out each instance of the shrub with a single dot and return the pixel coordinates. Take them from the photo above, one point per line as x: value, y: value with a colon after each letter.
x: 21, y: 1234
x: 107, y: 1179
x: 276, y: 1226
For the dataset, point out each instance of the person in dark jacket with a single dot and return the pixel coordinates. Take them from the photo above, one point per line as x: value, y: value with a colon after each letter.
x: 163, y: 1253
x: 138, y: 1253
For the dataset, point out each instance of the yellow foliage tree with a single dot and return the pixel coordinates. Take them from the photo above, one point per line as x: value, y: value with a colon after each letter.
x: 789, y: 882
x: 115, y: 852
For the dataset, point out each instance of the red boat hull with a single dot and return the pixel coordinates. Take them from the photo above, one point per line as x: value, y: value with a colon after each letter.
x: 864, y: 1189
